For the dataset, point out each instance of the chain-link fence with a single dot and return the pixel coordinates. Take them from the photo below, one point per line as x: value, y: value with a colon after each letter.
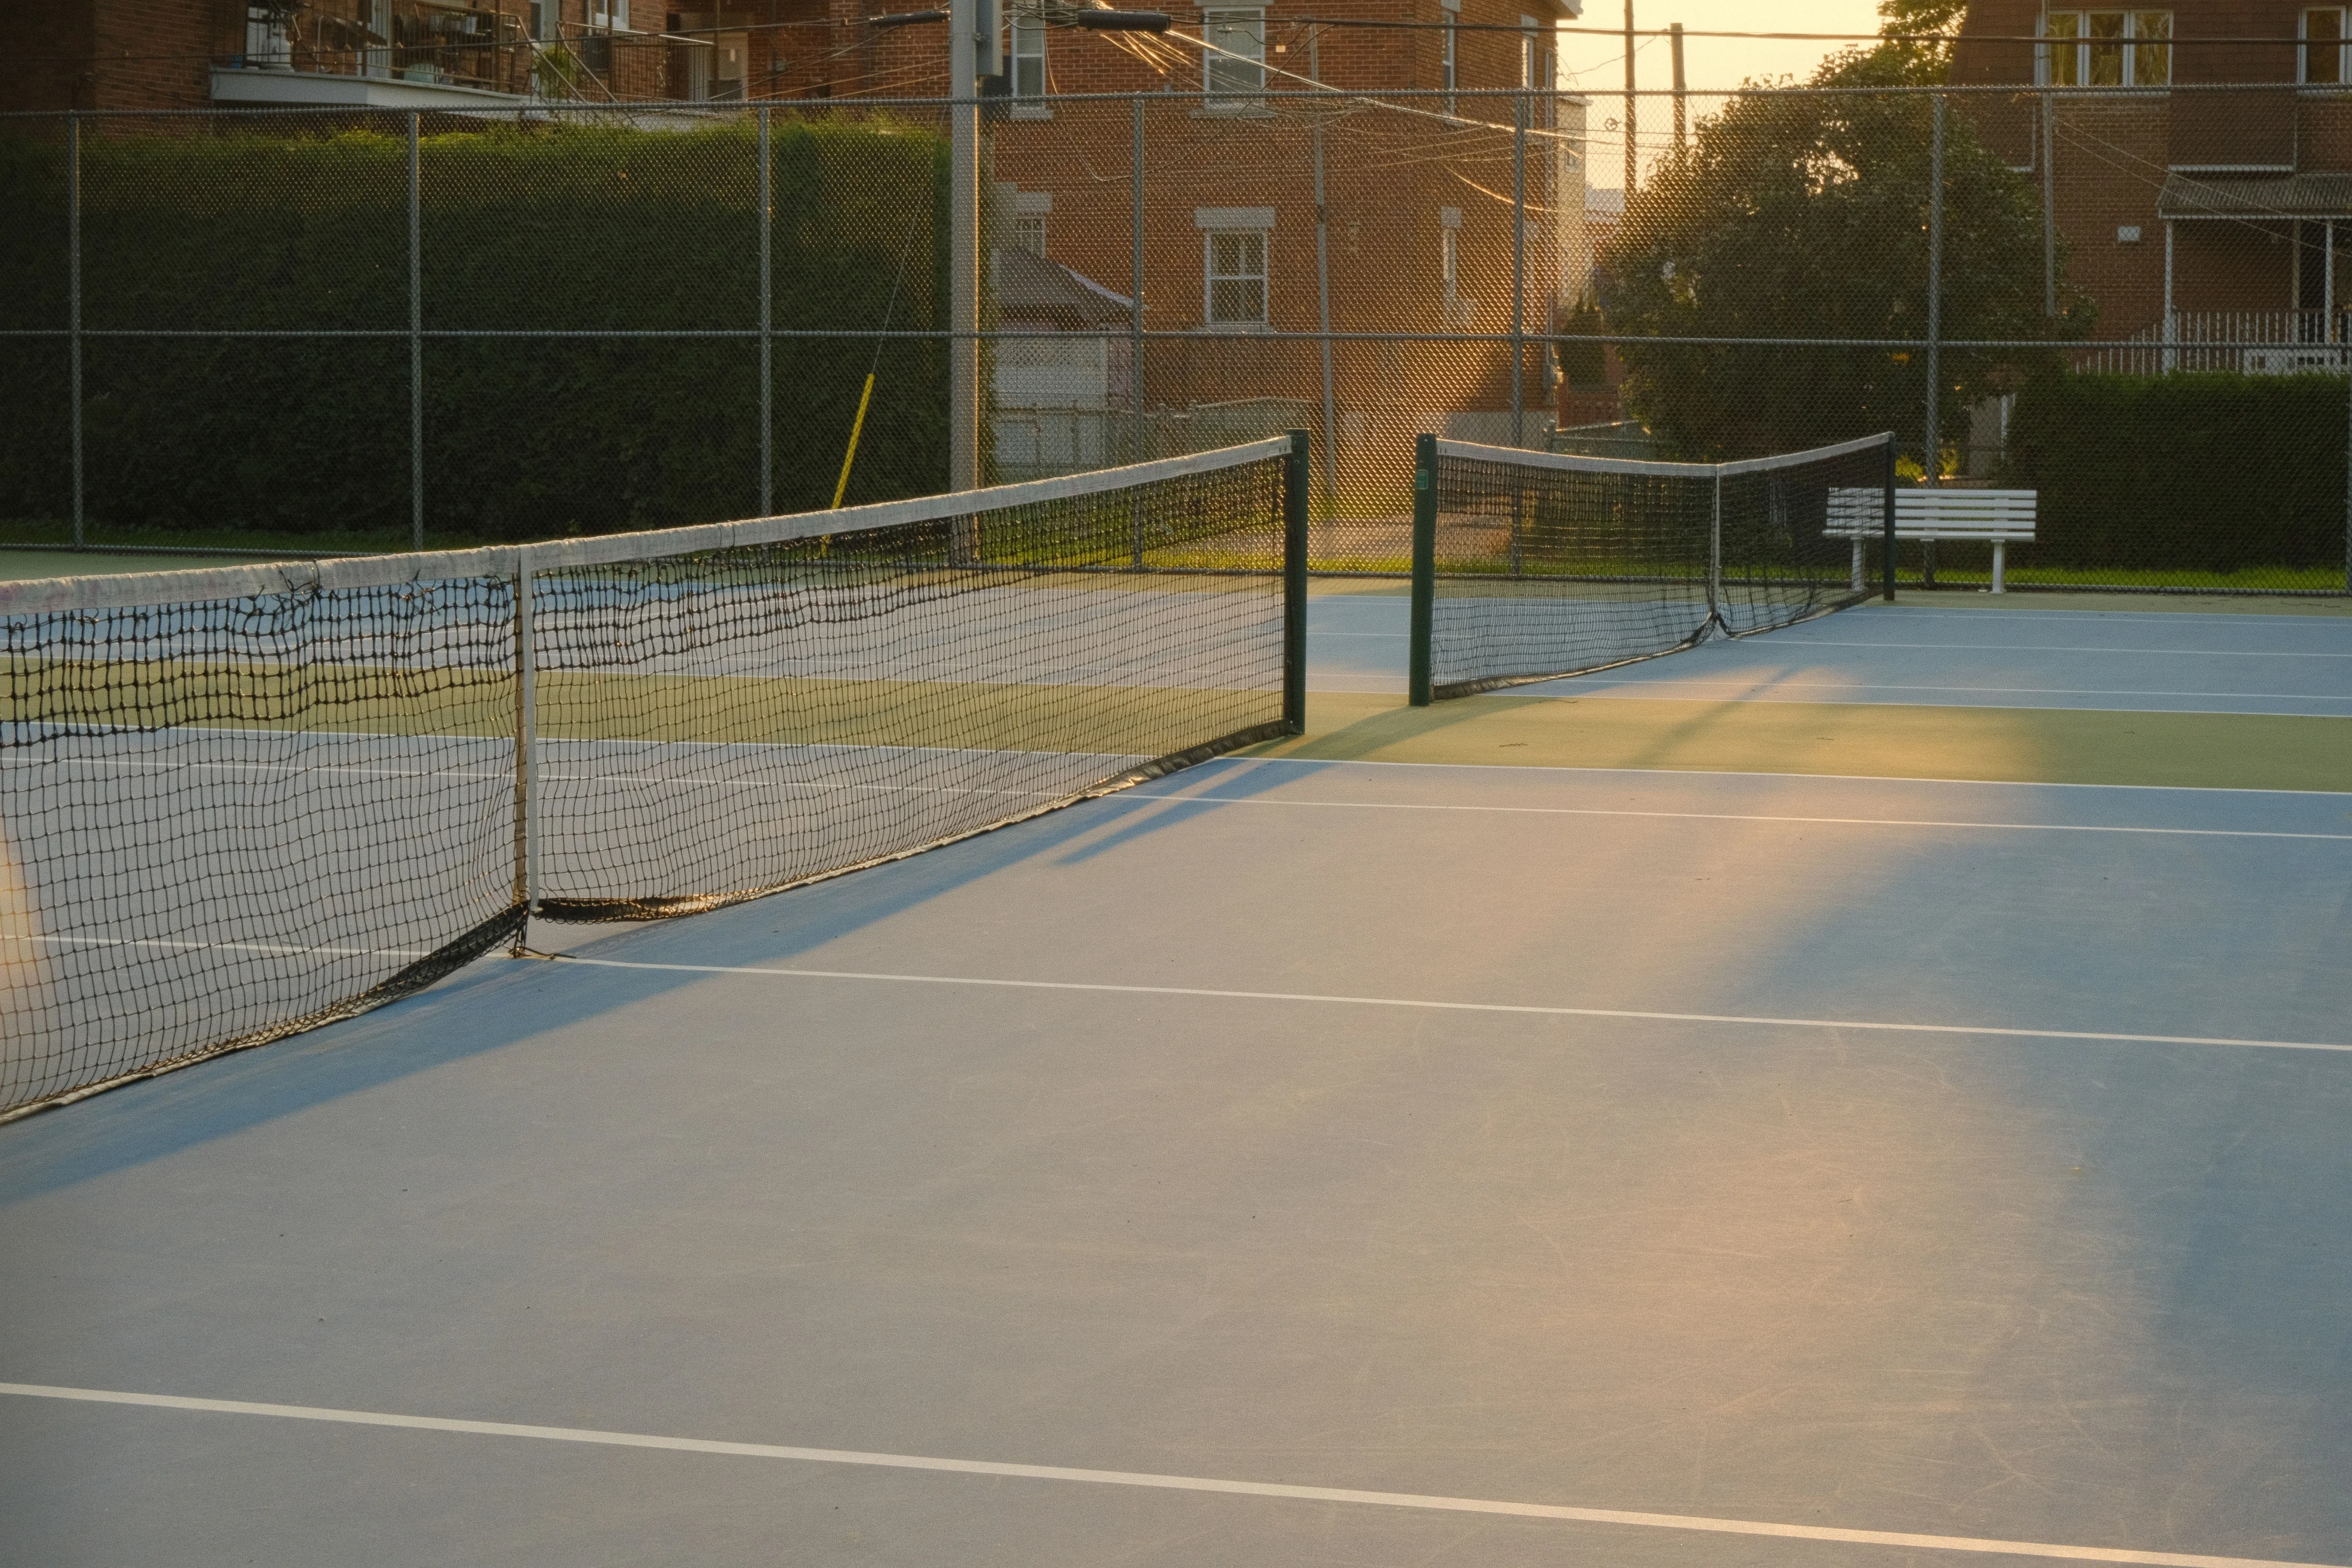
x: 355, y: 330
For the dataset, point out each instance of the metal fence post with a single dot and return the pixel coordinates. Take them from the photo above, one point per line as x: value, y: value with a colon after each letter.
x: 1135, y: 286
x: 2049, y: 205
x: 73, y: 306
x: 1323, y: 284
x: 1519, y: 266
x: 416, y: 340
x: 1424, y: 568
x: 767, y: 325
x: 1930, y: 459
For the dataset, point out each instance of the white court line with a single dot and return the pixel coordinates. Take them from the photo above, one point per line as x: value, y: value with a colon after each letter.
x: 1740, y: 816
x: 275, y: 950
x: 2105, y: 617
x: 1767, y: 683
x: 1142, y: 1478
x: 2037, y: 648
x: 1460, y: 1006
x: 1252, y: 760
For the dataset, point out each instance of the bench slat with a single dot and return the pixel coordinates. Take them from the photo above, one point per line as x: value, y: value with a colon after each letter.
x: 2002, y: 516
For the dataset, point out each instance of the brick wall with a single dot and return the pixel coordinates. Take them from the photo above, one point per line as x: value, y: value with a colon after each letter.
x: 49, y: 49
x: 1394, y: 178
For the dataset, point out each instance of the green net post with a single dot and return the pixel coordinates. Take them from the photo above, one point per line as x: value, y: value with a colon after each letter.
x: 1887, y: 545
x: 1424, y: 562
x: 1295, y: 480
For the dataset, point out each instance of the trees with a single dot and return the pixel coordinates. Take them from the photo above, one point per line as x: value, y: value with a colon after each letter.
x: 1804, y: 216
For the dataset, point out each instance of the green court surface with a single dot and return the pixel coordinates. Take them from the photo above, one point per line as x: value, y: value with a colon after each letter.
x: 2024, y: 745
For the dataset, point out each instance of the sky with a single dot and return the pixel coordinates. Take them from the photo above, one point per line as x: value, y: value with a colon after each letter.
x: 1596, y: 64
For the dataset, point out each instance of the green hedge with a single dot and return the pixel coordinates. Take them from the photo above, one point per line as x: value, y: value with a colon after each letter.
x: 584, y: 228
x: 2210, y: 472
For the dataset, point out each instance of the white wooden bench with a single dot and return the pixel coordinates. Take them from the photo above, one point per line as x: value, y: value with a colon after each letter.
x: 2003, y: 517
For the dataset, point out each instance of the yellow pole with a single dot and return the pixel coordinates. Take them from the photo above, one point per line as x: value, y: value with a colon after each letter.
x: 850, y: 457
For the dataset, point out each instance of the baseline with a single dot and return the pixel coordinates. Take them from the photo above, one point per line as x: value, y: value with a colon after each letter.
x: 1138, y: 1479
x: 1740, y: 816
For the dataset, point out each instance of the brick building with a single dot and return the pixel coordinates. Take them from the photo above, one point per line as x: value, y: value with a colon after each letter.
x: 1384, y: 212
x: 432, y: 54
x: 2192, y: 210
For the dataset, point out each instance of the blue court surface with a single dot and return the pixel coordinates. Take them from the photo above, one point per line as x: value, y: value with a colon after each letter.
x: 2150, y: 662
x: 1291, y: 1162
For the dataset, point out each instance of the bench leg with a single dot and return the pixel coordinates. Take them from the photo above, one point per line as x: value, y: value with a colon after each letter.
x: 2000, y: 561
x: 1857, y: 563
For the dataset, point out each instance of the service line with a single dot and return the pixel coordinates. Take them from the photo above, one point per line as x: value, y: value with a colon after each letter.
x: 1453, y: 1006
x: 1738, y: 816
x: 1140, y: 1479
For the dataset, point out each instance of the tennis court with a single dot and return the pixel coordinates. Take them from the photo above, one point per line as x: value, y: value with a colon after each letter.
x: 1711, y: 1156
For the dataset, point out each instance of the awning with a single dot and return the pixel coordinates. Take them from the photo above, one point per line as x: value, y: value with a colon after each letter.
x: 2255, y: 195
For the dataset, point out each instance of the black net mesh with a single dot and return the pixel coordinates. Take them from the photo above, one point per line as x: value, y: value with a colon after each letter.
x: 722, y: 724
x: 1549, y: 565
x: 237, y: 804
x: 230, y: 819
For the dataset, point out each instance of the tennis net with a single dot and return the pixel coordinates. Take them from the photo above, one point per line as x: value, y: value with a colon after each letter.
x: 1529, y: 565
x: 240, y: 803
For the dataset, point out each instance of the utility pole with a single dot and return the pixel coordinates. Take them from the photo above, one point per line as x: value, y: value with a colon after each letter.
x: 1629, y: 111
x: 1675, y: 36
x: 964, y: 251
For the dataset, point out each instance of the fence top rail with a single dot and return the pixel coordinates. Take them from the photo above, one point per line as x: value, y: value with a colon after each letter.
x: 129, y: 590
x: 1360, y: 96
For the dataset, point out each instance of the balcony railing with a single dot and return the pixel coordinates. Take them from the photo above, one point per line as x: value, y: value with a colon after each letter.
x: 446, y: 46
x: 438, y: 45
x: 2251, y: 342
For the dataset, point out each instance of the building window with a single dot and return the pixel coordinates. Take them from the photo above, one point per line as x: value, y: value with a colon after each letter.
x: 1029, y: 56
x: 2106, y: 48
x: 1029, y: 233
x: 610, y: 16
x: 1234, y: 262
x: 2323, y: 48
x: 1526, y: 53
x: 1454, y: 308
x: 1232, y: 67
x: 544, y: 18
x: 266, y: 44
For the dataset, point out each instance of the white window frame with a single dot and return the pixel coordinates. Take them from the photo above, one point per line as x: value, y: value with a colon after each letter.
x: 2080, y: 44
x: 608, y: 15
x: 1262, y: 243
x: 2302, y: 55
x: 1222, y: 31
x: 1530, y: 43
x: 1029, y: 233
x: 1026, y: 75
